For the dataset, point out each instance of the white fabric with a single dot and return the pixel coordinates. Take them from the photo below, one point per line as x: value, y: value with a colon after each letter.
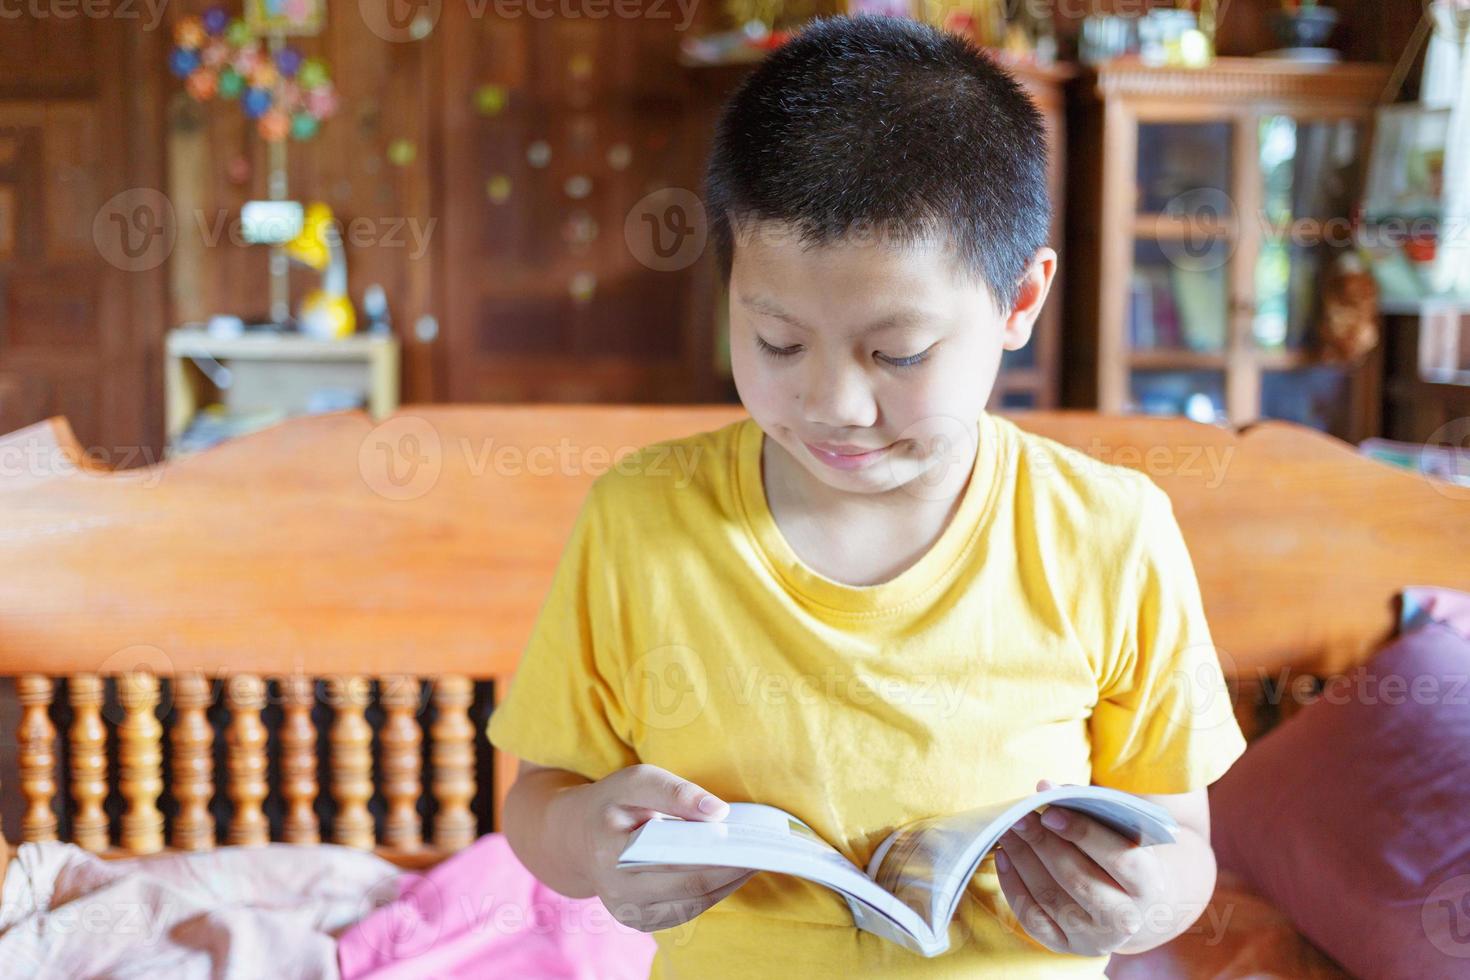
x: 237, y: 912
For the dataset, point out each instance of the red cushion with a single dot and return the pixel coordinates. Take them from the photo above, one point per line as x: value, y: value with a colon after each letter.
x: 1353, y: 817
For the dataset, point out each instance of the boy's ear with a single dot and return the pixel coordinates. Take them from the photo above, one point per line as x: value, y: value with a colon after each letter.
x: 1034, y: 287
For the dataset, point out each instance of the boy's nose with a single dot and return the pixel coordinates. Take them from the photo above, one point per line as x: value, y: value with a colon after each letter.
x: 840, y: 400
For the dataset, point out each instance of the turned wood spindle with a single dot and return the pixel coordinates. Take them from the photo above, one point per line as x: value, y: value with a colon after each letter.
x: 140, y: 763
x: 88, y: 762
x: 245, y: 739
x: 351, y: 742
x: 402, y: 764
x: 452, y: 756
x: 37, y: 737
x: 192, y: 740
x: 298, y: 761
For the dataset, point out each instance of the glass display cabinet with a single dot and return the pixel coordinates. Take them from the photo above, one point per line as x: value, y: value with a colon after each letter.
x: 1202, y: 234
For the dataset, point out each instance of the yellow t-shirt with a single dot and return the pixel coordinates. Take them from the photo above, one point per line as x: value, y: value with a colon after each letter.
x: 1054, y: 630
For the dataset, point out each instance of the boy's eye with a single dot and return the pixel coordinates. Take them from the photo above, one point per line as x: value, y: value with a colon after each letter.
x: 777, y: 351
x: 901, y: 362
x: 909, y: 361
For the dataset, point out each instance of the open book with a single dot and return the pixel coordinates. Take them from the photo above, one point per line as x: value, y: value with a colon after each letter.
x: 913, y: 883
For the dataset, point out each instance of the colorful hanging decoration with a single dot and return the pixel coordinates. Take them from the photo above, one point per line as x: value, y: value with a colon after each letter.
x: 490, y: 99
x: 238, y: 171
x: 580, y: 66
x: 402, y: 152
x: 286, y: 94
x: 579, y: 229
x: 498, y: 188
x: 578, y: 186
x: 583, y: 288
x: 582, y: 132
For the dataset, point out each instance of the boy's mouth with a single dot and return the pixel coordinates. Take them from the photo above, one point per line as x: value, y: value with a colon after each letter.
x: 844, y: 457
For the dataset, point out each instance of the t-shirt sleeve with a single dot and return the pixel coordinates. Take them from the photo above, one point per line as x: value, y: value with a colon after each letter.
x: 565, y: 706
x: 1164, y: 721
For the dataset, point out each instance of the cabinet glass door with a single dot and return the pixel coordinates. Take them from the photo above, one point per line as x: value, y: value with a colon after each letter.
x: 1176, y: 323
x: 1177, y: 299
x: 1184, y: 233
x: 1199, y: 395
x: 1319, y: 396
x: 1310, y: 173
x: 1182, y: 160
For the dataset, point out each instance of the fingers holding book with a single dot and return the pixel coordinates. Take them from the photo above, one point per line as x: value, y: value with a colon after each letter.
x: 657, y: 897
x: 1075, y: 885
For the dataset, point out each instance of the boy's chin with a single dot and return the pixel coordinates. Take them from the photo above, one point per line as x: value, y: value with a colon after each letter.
x: 897, y: 472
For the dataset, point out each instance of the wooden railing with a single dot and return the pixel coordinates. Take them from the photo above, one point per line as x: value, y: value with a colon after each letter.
x: 190, y: 778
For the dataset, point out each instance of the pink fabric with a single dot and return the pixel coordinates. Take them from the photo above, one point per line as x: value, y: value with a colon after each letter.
x: 481, y: 914
x: 1353, y: 817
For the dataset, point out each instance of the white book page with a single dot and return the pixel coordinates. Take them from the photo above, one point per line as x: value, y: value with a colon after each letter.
x: 767, y: 838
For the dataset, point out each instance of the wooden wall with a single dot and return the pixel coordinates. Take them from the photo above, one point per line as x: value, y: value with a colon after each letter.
x: 530, y: 305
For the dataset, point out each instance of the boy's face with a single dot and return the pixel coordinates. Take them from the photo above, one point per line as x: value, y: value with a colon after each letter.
x: 889, y: 352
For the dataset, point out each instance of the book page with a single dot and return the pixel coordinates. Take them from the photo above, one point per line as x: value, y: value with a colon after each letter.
x: 927, y: 864
x: 767, y: 838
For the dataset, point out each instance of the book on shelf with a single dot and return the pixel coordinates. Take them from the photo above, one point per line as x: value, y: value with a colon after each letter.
x: 1153, y: 322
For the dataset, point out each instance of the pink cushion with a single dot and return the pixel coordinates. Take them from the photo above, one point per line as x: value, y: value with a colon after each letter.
x: 1423, y: 605
x: 1353, y: 817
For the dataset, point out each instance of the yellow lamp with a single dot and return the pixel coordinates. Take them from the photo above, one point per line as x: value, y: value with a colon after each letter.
x: 326, y: 312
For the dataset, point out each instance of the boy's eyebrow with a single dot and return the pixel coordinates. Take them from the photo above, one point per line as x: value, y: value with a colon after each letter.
x: 898, y: 318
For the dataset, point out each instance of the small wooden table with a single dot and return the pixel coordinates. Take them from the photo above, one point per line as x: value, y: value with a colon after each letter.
x: 274, y: 371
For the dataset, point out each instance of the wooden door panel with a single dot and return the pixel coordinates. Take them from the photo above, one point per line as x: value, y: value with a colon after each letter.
x: 71, y: 158
x: 81, y: 321
x: 55, y: 55
x: 543, y: 294
x: 52, y: 273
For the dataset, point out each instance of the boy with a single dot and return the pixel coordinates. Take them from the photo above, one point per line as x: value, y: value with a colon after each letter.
x: 873, y: 601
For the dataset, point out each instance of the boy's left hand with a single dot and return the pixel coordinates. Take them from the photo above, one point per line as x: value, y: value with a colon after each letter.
x: 1080, y: 888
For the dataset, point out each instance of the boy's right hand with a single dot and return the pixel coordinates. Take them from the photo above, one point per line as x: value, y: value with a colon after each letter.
x: 648, y: 899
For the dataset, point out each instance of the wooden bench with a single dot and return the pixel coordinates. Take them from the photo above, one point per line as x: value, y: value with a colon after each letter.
x: 387, y: 568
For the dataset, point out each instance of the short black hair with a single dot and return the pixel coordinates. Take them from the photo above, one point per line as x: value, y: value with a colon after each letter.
x: 887, y: 123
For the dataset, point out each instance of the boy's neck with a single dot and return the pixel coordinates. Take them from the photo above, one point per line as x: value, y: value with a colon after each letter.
x: 858, y: 538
